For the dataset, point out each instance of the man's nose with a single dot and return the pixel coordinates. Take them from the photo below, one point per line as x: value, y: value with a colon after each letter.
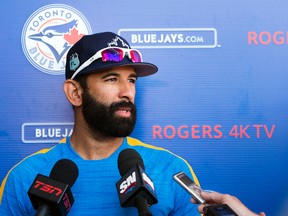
x: 127, y: 90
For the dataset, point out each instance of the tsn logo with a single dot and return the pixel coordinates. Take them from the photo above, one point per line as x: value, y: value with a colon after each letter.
x: 47, y: 188
x: 67, y: 202
x: 131, y: 181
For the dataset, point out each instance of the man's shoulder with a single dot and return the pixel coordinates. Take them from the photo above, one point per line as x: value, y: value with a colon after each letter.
x: 36, y: 162
x: 154, y: 152
x: 137, y: 143
x: 161, y: 158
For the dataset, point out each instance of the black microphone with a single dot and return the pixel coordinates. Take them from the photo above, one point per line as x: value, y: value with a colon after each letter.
x: 135, y: 188
x: 52, y: 195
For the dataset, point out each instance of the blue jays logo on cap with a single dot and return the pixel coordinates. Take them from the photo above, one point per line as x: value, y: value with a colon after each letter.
x: 115, y: 41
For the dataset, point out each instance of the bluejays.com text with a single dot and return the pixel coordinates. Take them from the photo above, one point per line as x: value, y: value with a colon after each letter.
x: 166, y: 38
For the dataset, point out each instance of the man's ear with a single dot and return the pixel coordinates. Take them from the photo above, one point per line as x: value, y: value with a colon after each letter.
x: 73, y: 92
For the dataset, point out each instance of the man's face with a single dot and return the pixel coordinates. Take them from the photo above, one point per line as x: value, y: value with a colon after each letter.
x: 108, y: 103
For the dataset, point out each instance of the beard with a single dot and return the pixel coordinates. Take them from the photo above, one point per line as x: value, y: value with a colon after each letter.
x: 102, y: 120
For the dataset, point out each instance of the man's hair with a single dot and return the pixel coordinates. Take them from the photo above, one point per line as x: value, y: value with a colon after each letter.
x: 82, y: 80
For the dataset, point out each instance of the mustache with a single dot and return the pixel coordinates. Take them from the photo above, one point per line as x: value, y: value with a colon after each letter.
x: 116, y: 105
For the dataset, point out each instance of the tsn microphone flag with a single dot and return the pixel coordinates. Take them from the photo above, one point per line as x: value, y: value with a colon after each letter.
x: 56, y: 194
x: 133, y: 184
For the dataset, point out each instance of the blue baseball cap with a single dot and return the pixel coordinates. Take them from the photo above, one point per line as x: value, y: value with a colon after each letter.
x: 84, y: 50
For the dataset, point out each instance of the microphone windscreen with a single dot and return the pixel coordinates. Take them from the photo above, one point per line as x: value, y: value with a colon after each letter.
x: 127, y: 159
x: 65, y: 171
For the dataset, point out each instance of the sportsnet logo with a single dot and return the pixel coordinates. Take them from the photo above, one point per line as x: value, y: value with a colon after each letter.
x: 49, y: 33
x: 128, y: 184
x: 131, y: 181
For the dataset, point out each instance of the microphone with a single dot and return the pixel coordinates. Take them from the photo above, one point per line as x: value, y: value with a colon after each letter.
x: 135, y: 188
x: 52, y: 195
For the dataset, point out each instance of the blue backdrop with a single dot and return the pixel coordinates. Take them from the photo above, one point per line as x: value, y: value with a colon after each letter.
x: 219, y: 99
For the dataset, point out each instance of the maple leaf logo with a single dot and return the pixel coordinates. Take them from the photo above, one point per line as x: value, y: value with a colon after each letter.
x: 73, y: 36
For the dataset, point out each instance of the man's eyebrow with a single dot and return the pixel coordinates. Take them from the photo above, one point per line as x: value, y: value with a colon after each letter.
x: 133, y: 75
x: 110, y: 74
x: 114, y: 74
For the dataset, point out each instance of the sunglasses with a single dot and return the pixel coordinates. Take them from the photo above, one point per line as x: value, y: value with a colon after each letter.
x: 111, y: 54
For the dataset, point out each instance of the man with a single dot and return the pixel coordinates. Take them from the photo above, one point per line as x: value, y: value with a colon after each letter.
x: 101, y: 73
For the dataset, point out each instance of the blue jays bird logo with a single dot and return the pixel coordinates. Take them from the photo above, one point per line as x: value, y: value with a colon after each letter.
x: 49, y: 33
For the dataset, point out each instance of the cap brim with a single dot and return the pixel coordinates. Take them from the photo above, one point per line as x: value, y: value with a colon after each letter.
x: 144, y: 69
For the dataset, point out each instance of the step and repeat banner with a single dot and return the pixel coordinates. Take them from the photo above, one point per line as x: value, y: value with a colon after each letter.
x: 219, y: 100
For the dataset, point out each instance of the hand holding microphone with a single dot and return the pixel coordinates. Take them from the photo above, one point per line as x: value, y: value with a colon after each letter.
x: 213, y: 203
x: 52, y: 195
x: 218, y: 199
x: 135, y: 188
x: 195, y: 191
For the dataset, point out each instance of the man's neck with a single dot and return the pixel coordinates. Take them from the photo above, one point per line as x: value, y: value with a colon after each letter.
x: 91, y: 148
